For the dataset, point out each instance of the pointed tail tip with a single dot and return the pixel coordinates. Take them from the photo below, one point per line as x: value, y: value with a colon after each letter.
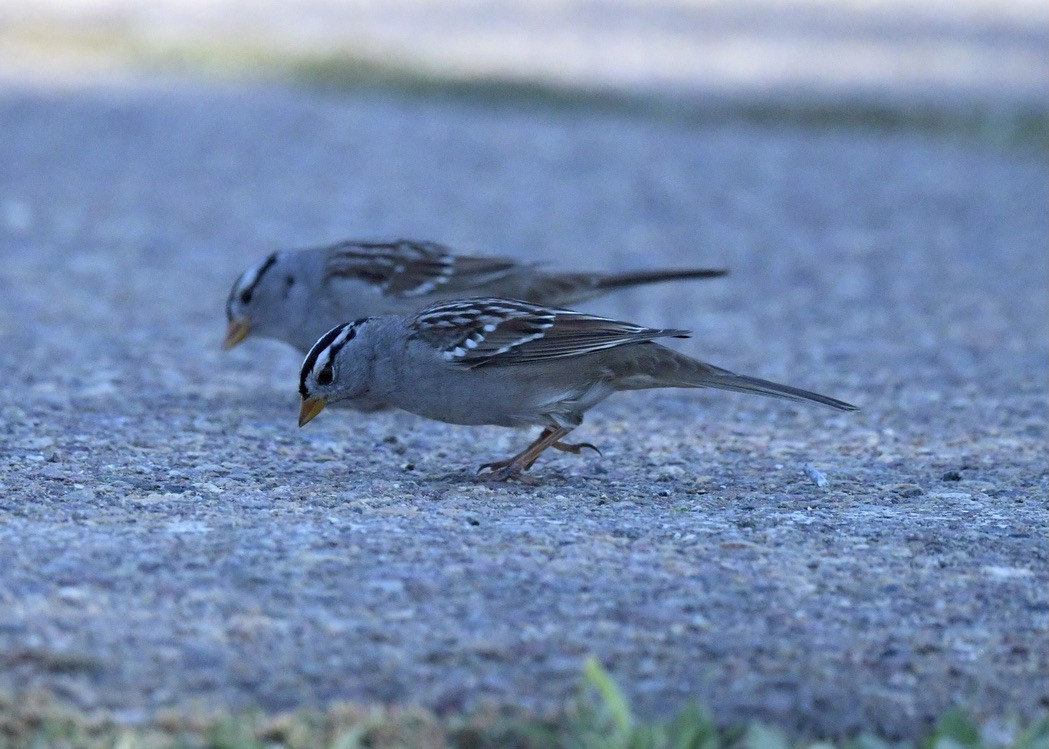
x: 712, y: 272
x: 725, y: 380
x: 817, y: 398
x: 638, y: 278
x: 687, y: 273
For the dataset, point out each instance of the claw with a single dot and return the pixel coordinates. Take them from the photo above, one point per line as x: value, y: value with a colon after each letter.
x: 575, y: 447
x: 493, y: 467
x: 504, y: 471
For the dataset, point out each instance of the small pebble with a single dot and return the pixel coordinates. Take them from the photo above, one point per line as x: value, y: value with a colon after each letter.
x: 78, y: 496
x: 817, y: 477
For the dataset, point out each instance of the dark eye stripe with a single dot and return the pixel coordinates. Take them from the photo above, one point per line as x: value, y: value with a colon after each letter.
x: 245, y: 293
x: 314, y: 354
x: 331, y: 344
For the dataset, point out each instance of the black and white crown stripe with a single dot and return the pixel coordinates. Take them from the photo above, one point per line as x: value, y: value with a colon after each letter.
x: 245, y: 286
x: 325, y: 350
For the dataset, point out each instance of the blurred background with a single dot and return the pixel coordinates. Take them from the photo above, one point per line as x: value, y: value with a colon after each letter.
x: 937, y: 50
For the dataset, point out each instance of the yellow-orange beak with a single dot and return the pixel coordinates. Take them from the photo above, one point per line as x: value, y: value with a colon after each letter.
x: 236, y: 331
x: 310, y: 407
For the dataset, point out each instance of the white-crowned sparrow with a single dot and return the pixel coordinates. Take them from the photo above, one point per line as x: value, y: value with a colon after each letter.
x: 508, y: 363
x: 298, y: 295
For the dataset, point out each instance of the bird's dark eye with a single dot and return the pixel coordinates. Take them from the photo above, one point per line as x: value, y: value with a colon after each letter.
x: 324, y: 377
x: 245, y: 296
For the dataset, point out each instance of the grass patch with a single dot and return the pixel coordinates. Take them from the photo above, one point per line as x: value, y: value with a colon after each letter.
x: 600, y: 718
x: 1023, y: 126
x: 1015, y: 126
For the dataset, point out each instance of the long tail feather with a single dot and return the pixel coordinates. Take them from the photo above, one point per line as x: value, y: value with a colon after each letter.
x: 724, y: 380
x: 621, y: 280
x: 668, y: 368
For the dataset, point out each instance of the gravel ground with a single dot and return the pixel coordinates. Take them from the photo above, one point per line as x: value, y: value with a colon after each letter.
x: 169, y: 537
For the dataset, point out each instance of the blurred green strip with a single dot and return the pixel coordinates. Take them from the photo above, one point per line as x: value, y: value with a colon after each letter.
x: 599, y: 718
x: 1015, y: 126
x: 1026, y: 127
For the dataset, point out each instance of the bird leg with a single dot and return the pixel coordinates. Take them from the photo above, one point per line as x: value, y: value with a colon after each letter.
x: 507, y: 469
x: 535, y: 450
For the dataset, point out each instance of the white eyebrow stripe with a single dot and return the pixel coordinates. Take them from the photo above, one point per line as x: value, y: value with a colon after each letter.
x: 249, y: 277
x: 332, y: 349
x: 252, y: 275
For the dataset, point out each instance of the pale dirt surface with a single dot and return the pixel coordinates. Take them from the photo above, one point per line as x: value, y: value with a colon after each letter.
x: 168, y: 537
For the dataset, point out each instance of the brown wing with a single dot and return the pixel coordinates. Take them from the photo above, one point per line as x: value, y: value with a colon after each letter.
x: 407, y: 269
x: 493, y: 332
